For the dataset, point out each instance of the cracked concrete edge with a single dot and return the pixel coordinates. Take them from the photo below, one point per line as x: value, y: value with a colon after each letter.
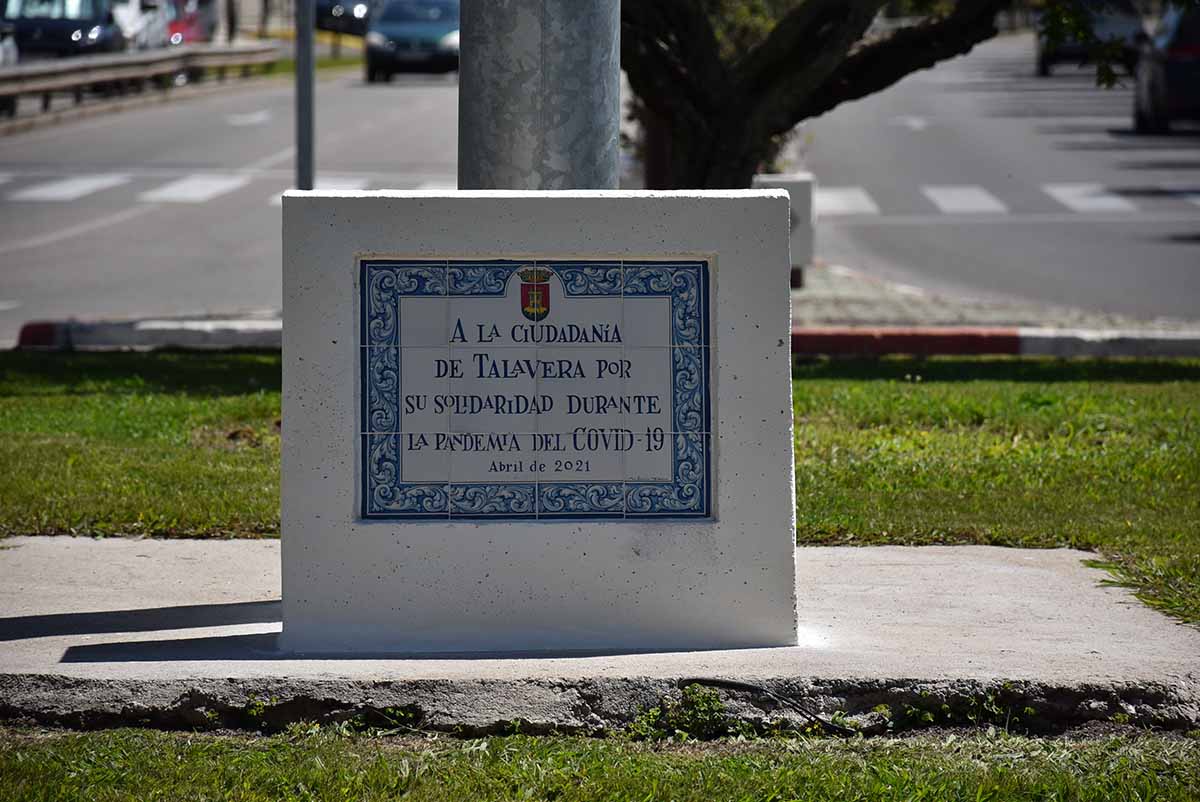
x: 472, y: 708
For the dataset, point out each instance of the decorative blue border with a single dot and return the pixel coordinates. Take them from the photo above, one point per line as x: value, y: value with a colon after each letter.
x: 383, y: 282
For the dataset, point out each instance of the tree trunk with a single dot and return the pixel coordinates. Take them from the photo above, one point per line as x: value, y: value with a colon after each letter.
x: 681, y: 157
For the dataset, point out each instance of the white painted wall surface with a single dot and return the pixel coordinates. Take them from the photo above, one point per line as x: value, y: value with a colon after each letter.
x: 351, y: 586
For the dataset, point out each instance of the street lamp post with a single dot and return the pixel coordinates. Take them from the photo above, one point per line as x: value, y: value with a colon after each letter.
x: 539, y: 94
x: 305, y: 22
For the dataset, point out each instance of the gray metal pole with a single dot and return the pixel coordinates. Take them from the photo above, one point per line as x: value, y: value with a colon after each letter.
x: 539, y: 99
x: 305, y: 22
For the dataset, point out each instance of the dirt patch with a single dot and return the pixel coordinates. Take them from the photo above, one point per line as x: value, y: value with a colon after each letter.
x: 234, y: 437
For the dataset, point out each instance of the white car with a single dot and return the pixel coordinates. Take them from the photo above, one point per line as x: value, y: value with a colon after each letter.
x: 145, y: 23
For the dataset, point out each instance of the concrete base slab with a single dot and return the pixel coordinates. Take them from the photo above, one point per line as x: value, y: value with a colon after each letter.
x: 182, y: 633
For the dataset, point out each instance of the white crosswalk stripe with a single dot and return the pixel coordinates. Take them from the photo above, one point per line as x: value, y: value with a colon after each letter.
x: 196, y: 188
x: 331, y: 183
x: 1088, y: 198
x: 69, y: 189
x: 964, y: 200
x: 831, y: 201
x: 5, y: 178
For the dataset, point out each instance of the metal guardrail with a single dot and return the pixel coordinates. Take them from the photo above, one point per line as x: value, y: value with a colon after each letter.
x: 159, y: 66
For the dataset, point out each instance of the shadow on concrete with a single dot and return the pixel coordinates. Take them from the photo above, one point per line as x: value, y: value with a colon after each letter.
x: 264, y: 646
x: 258, y: 646
x: 147, y: 620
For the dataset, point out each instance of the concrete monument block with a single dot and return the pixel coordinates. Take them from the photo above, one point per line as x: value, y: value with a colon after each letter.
x: 529, y: 421
x: 800, y: 187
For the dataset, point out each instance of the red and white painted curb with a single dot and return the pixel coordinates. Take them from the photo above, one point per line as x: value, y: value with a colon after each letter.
x: 990, y: 340
x: 267, y: 333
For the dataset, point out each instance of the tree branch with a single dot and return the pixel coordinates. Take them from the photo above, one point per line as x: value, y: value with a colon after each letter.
x: 670, y: 55
x: 873, y: 66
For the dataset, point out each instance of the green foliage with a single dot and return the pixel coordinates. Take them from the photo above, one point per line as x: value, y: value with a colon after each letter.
x: 698, y: 714
x: 1003, y: 709
x: 313, y: 763
x: 1101, y: 456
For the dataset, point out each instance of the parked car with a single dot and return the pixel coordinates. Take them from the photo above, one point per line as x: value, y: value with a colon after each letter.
x: 344, y: 16
x: 145, y: 23
x: 1168, y: 73
x: 8, y: 57
x: 191, y: 21
x: 1116, y: 21
x: 64, y: 27
x: 412, y: 35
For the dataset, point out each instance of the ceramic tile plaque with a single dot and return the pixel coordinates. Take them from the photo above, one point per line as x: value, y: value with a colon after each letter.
x: 515, y: 389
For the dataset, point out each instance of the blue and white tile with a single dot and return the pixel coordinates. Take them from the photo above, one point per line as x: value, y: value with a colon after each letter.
x: 424, y: 458
x: 424, y: 385
x: 487, y: 372
x: 649, y: 388
x: 651, y: 458
x: 585, y: 385
x: 424, y: 321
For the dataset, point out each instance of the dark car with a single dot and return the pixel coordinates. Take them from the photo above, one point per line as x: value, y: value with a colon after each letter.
x: 63, y: 27
x: 1115, y: 22
x: 1168, y: 73
x: 344, y: 16
x: 412, y: 35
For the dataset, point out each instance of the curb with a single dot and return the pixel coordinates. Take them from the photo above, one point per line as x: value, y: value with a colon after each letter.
x: 266, y: 332
x: 578, y: 705
x: 997, y: 341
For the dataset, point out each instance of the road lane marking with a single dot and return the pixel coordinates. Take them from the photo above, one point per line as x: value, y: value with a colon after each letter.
x: 910, y: 122
x: 331, y: 183
x: 1088, y: 198
x: 1056, y: 218
x: 287, y: 154
x: 438, y: 185
x: 5, y: 178
x: 69, y: 189
x: 196, y: 188
x: 250, y: 118
x: 964, y: 200
x: 832, y: 201
x: 75, y: 231
x: 8, y: 306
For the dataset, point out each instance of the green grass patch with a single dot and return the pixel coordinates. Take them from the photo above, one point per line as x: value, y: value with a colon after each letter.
x: 141, y: 765
x: 1041, y: 453
x: 161, y: 444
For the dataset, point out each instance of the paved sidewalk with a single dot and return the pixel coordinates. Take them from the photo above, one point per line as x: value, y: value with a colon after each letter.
x: 834, y: 295
x: 844, y: 312
x: 180, y: 633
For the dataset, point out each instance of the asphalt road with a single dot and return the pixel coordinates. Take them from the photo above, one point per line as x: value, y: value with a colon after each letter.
x: 978, y: 176
x: 173, y: 209
x: 973, y: 176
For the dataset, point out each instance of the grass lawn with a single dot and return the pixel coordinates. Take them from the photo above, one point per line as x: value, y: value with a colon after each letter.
x: 1097, y: 455
x: 142, y: 765
x: 1102, y: 456
x: 163, y: 444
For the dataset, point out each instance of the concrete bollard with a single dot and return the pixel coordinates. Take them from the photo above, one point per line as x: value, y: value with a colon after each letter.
x: 801, y: 187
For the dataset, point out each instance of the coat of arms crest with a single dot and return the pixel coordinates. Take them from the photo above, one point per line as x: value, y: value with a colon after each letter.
x: 535, y: 292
